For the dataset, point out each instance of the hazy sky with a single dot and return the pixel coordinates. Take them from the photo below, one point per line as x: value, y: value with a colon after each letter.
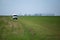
x: 8, y: 7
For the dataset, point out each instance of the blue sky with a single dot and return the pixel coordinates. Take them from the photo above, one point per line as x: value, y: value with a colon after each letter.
x: 9, y: 7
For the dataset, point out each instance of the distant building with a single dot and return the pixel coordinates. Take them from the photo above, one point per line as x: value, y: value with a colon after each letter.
x: 15, y: 17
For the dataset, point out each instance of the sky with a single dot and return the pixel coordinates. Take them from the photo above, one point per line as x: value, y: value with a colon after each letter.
x: 9, y: 7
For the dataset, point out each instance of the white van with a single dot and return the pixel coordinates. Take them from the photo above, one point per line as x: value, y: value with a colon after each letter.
x: 15, y: 17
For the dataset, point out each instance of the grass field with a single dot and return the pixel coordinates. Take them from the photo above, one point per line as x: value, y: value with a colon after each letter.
x: 30, y: 28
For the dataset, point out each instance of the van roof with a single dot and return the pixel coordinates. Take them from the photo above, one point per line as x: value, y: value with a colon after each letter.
x: 14, y: 15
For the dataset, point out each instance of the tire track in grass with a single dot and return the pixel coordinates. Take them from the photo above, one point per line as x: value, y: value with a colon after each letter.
x: 29, y: 33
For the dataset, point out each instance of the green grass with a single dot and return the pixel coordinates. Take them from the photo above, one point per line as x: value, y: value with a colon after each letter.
x: 30, y: 28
